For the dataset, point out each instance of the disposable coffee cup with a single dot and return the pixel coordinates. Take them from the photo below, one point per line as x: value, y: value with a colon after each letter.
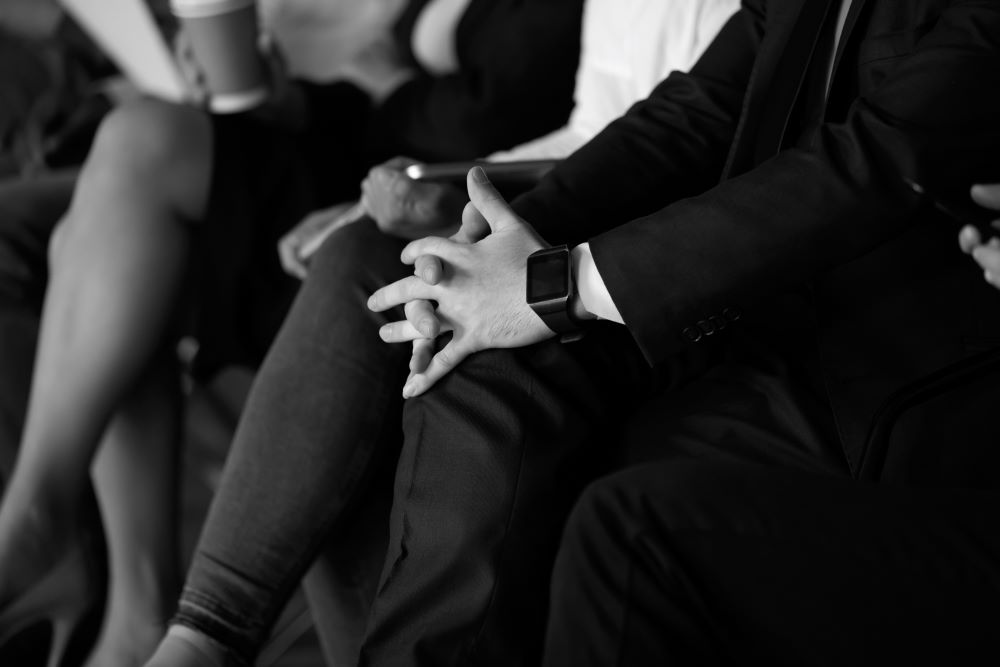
x: 223, y: 36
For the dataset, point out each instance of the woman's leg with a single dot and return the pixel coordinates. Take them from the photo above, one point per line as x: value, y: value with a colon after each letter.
x: 136, y: 479
x: 117, y: 267
x: 323, y: 415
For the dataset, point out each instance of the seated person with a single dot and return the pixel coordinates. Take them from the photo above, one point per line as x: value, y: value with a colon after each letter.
x: 627, y: 48
x: 172, y: 227
x: 339, y: 434
x: 696, y: 564
x: 742, y: 207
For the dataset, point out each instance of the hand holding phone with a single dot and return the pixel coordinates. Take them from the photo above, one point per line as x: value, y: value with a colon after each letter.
x: 965, y: 212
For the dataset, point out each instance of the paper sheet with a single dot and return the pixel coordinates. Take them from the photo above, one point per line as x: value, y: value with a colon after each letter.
x: 126, y: 31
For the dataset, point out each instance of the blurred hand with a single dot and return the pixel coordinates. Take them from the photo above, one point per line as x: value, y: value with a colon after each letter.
x: 987, y: 254
x: 290, y: 247
x: 480, y: 295
x: 190, y: 69
x: 410, y: 209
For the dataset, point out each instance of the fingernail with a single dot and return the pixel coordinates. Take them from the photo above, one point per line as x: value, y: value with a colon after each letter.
x: 427, y: 327
x: 371, y: 302
x: 478, y: 175
x: 408, y: 389
x: 988, y: 275
x: 383, y: 332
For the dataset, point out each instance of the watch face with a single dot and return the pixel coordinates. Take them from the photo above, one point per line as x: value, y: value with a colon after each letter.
x: 548, y: 277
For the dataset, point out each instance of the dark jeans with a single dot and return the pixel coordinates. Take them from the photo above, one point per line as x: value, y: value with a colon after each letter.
x: 697, y: 564
x: 320, y: 420
x: 491, y: 463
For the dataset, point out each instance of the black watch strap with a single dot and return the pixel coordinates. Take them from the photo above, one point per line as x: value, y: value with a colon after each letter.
x: 550, y: 291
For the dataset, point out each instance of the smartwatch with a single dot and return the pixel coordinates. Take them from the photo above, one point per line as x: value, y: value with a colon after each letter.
x: 550, y: 291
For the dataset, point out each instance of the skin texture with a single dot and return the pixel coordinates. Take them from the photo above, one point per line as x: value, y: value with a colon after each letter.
x: 477, y: 283
x: 479, y: 287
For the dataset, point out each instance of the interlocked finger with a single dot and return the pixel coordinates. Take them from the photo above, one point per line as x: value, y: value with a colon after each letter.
x: 420, y: 357
x: 445, y: 249
x: 422, y: 317
x: 399, y: 292
x: 399, y: 332
x: 442, y: 363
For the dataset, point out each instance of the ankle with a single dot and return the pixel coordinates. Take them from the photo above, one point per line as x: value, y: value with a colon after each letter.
x: 186, y: 647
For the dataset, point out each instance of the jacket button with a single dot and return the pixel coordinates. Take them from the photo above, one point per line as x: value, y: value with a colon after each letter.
x: 732, y: 314
x: 693, y: 334
x: 707, y: 327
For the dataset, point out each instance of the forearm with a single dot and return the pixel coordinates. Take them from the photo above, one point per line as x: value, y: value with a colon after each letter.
x: 670, y: 146
x: 800, y: 214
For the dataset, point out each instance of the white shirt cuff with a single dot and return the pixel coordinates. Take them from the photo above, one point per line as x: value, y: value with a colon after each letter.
x: 590, y: 286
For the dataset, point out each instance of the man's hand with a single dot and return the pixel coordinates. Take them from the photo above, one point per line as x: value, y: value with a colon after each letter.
x: 987, y: 254
x: 410, y: 209
x: 481, y: 292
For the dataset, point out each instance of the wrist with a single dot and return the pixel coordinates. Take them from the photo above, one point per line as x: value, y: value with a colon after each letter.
x: 550, y: 292
x: 595, y: 300
x: 578, y: 307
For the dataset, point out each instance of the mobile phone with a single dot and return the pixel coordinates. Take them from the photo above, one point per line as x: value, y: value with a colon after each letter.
x: 500, y: 173
x: 963, y: 211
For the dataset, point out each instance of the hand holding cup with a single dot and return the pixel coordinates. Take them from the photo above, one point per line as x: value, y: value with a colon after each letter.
x: 218, y: 53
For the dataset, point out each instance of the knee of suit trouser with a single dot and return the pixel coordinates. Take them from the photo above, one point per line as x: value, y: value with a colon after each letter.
x: 634, y: 499
x: 358, y: 253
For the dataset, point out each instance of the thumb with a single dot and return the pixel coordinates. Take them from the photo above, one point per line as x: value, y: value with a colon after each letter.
x: 488, y: 201
x: 474, y: 226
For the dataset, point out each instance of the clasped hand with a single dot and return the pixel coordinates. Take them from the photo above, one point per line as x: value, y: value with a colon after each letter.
x: 477, y: 280
x: 986, y: 252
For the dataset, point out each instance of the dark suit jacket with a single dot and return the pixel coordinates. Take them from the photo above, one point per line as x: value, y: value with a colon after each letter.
x: 517, y: 69
x: 698, y: 200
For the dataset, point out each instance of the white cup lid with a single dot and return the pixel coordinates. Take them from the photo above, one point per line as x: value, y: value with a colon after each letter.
x: 192, y: 9
x: 236, y: 102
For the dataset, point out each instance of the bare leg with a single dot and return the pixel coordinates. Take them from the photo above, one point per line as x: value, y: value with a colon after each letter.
x: 117, y: 266
x: 136, y: 479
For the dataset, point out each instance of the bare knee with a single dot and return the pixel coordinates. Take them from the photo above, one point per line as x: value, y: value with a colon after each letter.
x: 153, y: 148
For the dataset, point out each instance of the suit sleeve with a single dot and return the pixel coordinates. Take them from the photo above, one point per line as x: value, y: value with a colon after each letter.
x: 934, y: 116
x: 515, y: 83
x: 671, y: 145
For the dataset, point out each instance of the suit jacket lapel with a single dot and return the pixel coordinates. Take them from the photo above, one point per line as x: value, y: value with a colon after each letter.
x: 775, y: 85
x: 849, y: 25
x: 789, y: 77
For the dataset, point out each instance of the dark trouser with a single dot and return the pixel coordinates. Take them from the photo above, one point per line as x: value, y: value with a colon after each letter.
x: 321, y: 420
x: 703, y: 564
x: 491, y: 463
x: 29, y: 210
